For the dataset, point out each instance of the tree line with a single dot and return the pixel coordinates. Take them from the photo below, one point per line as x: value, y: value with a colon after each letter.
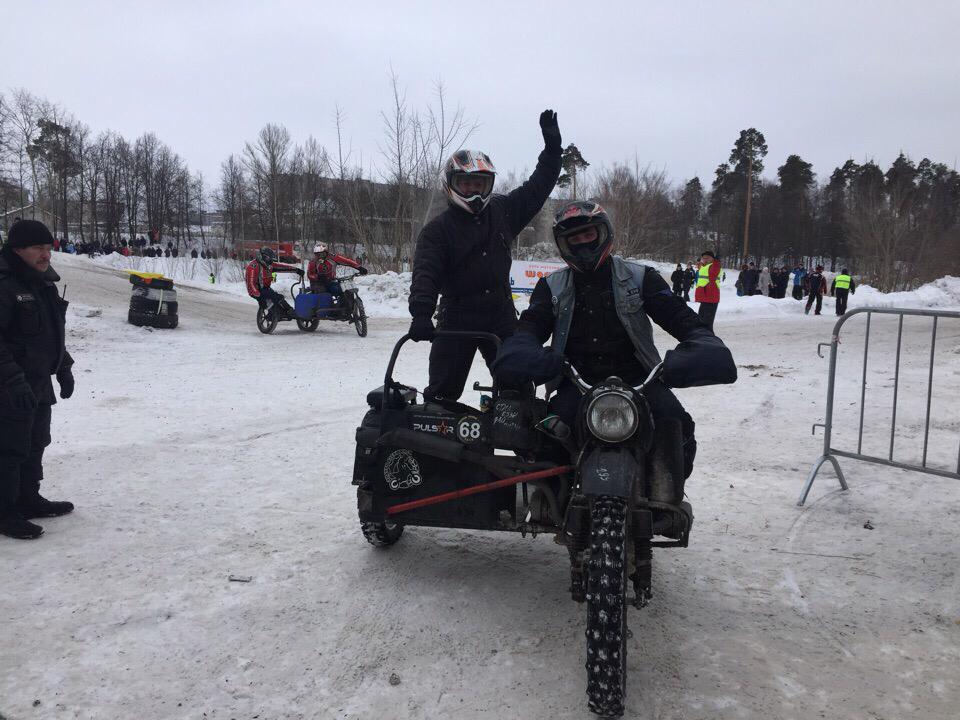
x: 93, y: 188
x: 896, y: 228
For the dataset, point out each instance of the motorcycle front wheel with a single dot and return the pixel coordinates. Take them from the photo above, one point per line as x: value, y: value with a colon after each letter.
x: 266, y: 321
x: 308, y: 325
x: 359, y: 317
x: 607, y: 607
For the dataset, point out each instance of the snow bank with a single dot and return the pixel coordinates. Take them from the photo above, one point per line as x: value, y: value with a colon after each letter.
x: 385, y: 295
x: 943, y: 293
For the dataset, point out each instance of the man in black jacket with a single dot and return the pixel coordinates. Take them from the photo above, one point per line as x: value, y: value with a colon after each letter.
x: 689, y: 280
x: 818, y: 286
x: 605, y: 302
x: 463, y: 256
x: 677, y: 279
x: 32, y: 349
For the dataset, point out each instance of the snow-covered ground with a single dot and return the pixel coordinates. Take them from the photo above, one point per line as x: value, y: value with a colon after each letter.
x: 214, y: 450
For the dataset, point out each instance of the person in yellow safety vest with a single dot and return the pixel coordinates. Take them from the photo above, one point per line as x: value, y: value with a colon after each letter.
x: 708, y: 287
x: 842, y: 287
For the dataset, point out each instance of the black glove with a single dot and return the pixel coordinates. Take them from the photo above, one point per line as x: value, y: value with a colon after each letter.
x: 363, y: 270
x: 21, y: 394
x: 699, y: 360
x: 551, y: 131
x: 65, y: 378
x: 421, y: 328
x: 523, y: 359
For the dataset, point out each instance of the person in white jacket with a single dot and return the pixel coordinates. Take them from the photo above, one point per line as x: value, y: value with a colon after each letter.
x: 765, y: 282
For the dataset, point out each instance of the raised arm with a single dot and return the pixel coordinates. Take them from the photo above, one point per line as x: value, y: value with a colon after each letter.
x: 526, y: 201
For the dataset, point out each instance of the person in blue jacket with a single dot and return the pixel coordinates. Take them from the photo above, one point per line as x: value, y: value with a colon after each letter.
x: 798, y: 274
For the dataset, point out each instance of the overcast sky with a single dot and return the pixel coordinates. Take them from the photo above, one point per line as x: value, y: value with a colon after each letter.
x: 671, y: 83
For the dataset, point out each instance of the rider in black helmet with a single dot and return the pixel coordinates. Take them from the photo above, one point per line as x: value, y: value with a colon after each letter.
x: 597, y: 312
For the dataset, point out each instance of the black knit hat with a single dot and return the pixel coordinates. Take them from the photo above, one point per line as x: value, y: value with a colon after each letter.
x: 24, y: 233
x: 711, y: 253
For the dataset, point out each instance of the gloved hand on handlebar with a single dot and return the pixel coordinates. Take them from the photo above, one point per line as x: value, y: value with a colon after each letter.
x: 362, y: 270
x: 522, y: 359
x: 701, y: 359
x: 421, y: 328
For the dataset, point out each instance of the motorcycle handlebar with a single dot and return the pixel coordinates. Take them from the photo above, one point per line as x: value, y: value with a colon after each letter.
x: 571, y: 372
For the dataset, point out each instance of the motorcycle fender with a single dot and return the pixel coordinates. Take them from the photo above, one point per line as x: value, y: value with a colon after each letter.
x: 609, y: 471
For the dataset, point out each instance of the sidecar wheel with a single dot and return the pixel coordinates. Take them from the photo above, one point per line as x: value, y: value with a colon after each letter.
x: 382, y: 534
x: 607, y: 607
x: 266, y: 321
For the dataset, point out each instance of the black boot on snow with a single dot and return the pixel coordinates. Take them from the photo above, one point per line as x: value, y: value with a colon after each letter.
x: 15, y: 525
x: 40, y: 507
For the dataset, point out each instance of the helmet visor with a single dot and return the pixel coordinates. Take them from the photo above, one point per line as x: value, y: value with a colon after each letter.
x: 470, y: 185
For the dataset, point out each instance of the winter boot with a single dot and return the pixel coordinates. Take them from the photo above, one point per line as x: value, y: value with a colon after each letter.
x: 13, y: 524
x: 286, y: 311
x: 39, y: 507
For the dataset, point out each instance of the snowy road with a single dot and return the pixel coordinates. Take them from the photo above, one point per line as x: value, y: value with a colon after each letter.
x: 214, y: 450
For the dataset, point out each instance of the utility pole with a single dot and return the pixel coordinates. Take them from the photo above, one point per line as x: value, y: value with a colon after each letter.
x: 746, y: 219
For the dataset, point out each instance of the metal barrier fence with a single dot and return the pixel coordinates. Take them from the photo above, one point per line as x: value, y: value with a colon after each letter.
x: 831, y: 453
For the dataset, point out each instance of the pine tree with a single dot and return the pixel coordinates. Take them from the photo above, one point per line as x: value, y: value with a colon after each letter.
x: 54, y: 147
x: 690, y: 210
x: 747, y: 161
x: 572, y: 162
x: 795, y: 215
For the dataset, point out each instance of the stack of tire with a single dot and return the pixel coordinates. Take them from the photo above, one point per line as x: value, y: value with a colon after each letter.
x: 153, y: 302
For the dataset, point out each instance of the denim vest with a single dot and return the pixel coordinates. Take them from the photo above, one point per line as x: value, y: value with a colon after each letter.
x: 628, y: 296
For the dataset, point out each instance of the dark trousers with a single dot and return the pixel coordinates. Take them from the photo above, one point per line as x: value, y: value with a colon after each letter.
x: 686, y: 294
x: 842, y: 296
x: 677, y: 289
x: 451, y: 358
x: 797, y: 292
x: 663, y: 404
x: 23, y: 437
x: 326, y: 286
x: 269, y: 295
x: 707, y: 312
x: 819, y: 299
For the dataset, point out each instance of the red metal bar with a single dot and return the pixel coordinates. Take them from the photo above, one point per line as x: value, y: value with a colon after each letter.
x: 486, y: 487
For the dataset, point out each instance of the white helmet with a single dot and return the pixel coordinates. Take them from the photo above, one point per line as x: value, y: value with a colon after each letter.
x: 476, y: 172
x: 320, y: 249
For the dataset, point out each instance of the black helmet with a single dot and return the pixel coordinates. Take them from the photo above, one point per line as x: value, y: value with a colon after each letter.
x: 469, y: 165
x: 266, y: 256
x: 572, y: 219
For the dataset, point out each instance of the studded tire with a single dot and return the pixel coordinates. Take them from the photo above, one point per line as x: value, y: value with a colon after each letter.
x: 382, y: 534
x: 607, y: 607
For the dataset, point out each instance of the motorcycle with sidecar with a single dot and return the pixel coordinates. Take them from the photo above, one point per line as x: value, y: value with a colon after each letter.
x: 309, y: 308
x: 608, y: 492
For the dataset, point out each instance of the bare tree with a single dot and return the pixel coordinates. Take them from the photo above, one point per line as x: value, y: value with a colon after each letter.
x: 267, y: 160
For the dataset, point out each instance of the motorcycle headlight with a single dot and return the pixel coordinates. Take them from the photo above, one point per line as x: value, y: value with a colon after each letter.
x: 612, y: 417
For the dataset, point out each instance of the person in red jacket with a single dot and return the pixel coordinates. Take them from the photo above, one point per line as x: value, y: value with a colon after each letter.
x: 322, y: 270
x: 708, y: 287
x: 259, y: 277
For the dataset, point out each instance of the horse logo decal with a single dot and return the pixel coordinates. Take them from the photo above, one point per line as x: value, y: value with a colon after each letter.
x: 401, y: 470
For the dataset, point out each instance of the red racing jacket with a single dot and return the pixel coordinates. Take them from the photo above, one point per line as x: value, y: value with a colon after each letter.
x: 260, y: 276
x: 326, y: 270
